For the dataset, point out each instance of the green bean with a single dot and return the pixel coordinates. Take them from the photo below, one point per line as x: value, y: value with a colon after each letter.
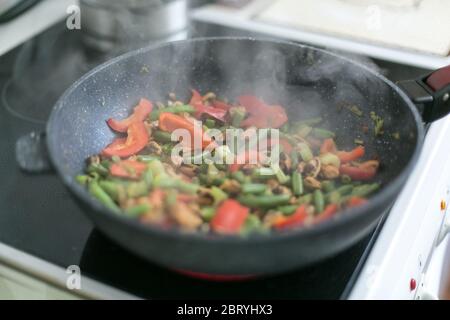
x: 137, y: 189
x: 162, y: 136
x: 138, y: 211
x: 82, y: 179
x: 148, y: 177
x: 323, y: 133
x: 186, y: 187
x: 281, y: 176
x: 263, y: 173
x: 212, y: 171
x: 294, y: 159
x: 287, y: 210
x: 289, y: 138
x: 310, y: 122
x: 238, y: 176
x: 328, y: 185
x: 156, y: 167
x: 345, y: 179
x: 265, y: 201
x: 305, y: 152
x: 306, y: 199
x: 97, y: 192
x: 218, y: 195
x: 208, y: 213
x: 98, y: 168
x: 115, y: 159
x: 297, y: 183
x: 344, y: 190
x: 210, y: 123
x: 237, y: 116
x: 106, y: 164
x: 111, y: 188
x: 254, y: 188
x: 251, y: 224
x: 333, y: 197
x: 304, y: 131
x: 172, y: 109
x: 319, y: 201
x: 163, y: 181
x: 365, y: 190
x: 146, y: 158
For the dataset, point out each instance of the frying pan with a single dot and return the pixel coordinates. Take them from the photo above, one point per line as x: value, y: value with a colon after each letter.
x: 306, y: 81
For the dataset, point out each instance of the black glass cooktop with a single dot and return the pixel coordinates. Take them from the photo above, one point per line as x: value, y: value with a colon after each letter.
x: 38, y: 216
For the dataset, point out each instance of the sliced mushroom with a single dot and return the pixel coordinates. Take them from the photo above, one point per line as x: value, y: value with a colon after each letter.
x: 94, y: 160
x: 282, y: 190
x: 312, y: 168
x: 154, y: 147
x: 330, y: 172
x: 312, y: 183
x: 188, y: 170
x: 184, y: 216
x: 231, y: 186
x: 285, y: 162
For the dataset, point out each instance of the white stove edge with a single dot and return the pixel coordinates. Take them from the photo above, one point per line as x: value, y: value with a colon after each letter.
x: 32, y: 22
x: 408, y: 239
x: 42, y: 279
x: 242, y: 19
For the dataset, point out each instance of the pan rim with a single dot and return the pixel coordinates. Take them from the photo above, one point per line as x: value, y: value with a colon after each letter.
x: 345, y: 216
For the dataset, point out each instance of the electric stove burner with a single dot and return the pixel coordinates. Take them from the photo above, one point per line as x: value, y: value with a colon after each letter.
x: 43, y: 69
x: 117, y: 267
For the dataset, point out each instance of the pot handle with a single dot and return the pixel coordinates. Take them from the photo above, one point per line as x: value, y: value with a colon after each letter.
x: 430, y: 93
x: 32, y: 154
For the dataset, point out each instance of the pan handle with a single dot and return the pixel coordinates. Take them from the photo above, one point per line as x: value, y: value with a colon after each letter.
x: 430, y: 93
x: 32, y: 154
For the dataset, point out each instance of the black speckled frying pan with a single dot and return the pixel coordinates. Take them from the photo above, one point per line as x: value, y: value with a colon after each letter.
x: 307, y: 81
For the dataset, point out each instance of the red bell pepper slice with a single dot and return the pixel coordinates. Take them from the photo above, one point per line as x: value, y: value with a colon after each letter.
x: 296, y: 220
x: 348, y: 156
x: 141, y: 112
x: 261, y: 114
x: 356, y: 202
x: 130, y: 169
x: 230, y: 217
x: 358, y: 173
x: 200, y: 107
x: 170, y: 122
x: 329, y: 211
x: 136, y: 140
x: 328, y: 146
x: 221, y: 105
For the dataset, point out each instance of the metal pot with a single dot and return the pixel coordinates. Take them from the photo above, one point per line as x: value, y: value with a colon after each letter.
x: 119, y: 24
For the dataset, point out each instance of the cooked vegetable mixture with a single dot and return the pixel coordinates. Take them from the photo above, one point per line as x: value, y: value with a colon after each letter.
x: 137, y: 175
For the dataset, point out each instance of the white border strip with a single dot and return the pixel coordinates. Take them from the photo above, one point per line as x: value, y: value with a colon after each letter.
x: 32, y: 22
x: 57, y: 276
x: 219, y: 15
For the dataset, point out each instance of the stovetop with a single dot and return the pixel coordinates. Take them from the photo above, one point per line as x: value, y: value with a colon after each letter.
x: 39, y: 217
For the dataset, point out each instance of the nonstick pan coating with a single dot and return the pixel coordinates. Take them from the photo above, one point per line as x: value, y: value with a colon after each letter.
x: 307, y: 81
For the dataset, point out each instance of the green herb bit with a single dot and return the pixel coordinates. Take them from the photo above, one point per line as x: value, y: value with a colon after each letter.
x: 378, y: 123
